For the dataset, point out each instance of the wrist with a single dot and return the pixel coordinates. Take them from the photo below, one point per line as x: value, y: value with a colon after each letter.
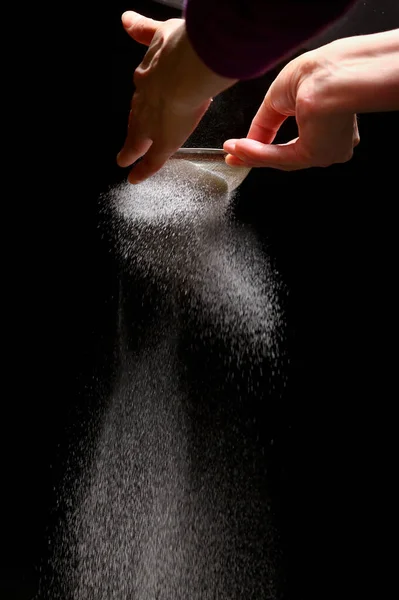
x: 354, y: 75
x: 199, y: 82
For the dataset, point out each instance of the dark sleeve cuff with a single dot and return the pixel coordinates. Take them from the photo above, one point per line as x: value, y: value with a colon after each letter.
x: 242, y: 39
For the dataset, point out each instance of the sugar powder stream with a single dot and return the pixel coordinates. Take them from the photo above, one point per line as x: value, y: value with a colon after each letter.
x: 173, y: 499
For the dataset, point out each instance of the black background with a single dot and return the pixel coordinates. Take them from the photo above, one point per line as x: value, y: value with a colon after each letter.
x: 333, y: 233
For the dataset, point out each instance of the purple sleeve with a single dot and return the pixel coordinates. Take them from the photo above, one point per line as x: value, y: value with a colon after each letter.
x: 245, y: 38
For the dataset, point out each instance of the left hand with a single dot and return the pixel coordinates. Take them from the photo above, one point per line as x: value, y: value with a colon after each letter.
x: 173, y: 90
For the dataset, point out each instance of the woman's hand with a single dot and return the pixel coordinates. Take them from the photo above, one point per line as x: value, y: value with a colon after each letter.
x: 173, y: 90
x: 323, y: 89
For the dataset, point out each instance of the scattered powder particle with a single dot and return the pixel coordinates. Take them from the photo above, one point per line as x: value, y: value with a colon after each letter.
x: 173, y: 501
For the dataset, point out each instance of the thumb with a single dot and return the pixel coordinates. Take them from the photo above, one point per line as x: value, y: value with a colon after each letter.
x: 140, y: 28
x: 278, y: 104
x: 266, y: 122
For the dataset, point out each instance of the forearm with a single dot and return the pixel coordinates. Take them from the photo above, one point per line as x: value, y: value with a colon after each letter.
x: 245, y: 38
x: 359, y: 74
x: 197, y: 82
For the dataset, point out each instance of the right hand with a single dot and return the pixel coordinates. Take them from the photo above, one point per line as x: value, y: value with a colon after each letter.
x: 326, y: 135
x: 323, y: 89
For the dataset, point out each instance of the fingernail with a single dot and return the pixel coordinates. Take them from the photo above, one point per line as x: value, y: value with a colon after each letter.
x: 119, y: 158
x: 240, y: 154
x: 229, y: 145
x: 134, y: 179
x: 127, y: 18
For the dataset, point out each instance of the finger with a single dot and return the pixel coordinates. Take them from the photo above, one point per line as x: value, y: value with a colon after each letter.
x: 168, y: 141
x: 229, y: 146
x: 132, y: 151
x: 356, y: 134
x: 326, y: 139
x: 280, y: 156
x: 267, y: 121
x: 152, y: 162
x: 234, y: 161
x: 136, y: 145
x: 140, y: 28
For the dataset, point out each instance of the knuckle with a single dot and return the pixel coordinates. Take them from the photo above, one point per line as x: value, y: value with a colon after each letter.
x: 323, y: 164
x: 345, y: 156
x: 138, y: 75
x: 307, y: 104
x: 314, y: 159
x: 153, y: 162
x: 306, y: 157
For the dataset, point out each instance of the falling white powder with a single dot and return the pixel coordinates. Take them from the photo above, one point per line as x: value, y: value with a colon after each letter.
x: 176, y: 230
x: 173, y: 502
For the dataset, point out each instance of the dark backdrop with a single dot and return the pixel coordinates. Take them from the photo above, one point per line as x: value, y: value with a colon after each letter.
x: 332, y: 231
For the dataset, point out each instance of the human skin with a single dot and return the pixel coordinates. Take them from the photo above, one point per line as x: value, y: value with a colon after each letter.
x: 323, y: 89
x: 173, y: 91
